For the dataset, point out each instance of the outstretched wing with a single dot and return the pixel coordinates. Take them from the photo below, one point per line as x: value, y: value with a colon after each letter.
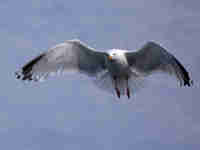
x: 69, y: 56
x: 153, y: 58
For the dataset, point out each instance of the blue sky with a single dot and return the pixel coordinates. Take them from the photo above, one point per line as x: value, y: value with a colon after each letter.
x: 70, y: 112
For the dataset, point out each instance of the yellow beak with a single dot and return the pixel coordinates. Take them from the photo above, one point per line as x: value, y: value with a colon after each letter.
x: 110, y: 57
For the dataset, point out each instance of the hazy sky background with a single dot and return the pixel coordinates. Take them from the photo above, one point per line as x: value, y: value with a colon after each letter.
x: 70, y: 113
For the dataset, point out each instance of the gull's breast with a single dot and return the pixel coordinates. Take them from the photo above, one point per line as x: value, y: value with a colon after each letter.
x: 118, y: 69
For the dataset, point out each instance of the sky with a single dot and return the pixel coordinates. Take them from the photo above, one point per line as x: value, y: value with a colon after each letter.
x: 69, y: 112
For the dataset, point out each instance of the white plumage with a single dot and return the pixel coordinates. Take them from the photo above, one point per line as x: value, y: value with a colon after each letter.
x: 119, y: 71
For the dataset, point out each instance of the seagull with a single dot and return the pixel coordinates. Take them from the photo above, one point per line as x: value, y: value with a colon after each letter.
x: 117, y: 71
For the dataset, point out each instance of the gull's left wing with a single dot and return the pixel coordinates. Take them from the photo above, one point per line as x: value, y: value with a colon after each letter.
x: 69, y: 56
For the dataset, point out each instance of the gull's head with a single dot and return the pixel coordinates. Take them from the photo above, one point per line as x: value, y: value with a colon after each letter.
x: 115, y: 54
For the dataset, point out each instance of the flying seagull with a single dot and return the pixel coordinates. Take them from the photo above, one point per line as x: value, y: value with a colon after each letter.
x: 117, y: 71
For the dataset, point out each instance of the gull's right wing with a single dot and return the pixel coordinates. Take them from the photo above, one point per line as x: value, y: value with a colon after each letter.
x: 153, y: 58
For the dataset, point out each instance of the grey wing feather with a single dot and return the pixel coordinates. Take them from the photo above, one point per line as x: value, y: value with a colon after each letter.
x: 153, y: 58
x: 69, y: 56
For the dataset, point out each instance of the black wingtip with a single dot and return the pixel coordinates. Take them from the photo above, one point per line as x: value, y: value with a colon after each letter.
x: 17, y: 75
x: 26, y: 72
x: 185, y: 75
x: 21, y: 76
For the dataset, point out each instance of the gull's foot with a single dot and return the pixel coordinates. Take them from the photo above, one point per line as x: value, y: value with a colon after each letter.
x: 128, y: 92
x: 118, y: 92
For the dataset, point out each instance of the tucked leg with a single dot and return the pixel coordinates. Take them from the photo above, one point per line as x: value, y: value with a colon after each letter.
x: 116, y: 88
x: 127, y: 88
x: 118, y: 92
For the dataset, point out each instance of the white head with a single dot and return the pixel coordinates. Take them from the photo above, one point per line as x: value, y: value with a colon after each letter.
x: 116, y: 54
